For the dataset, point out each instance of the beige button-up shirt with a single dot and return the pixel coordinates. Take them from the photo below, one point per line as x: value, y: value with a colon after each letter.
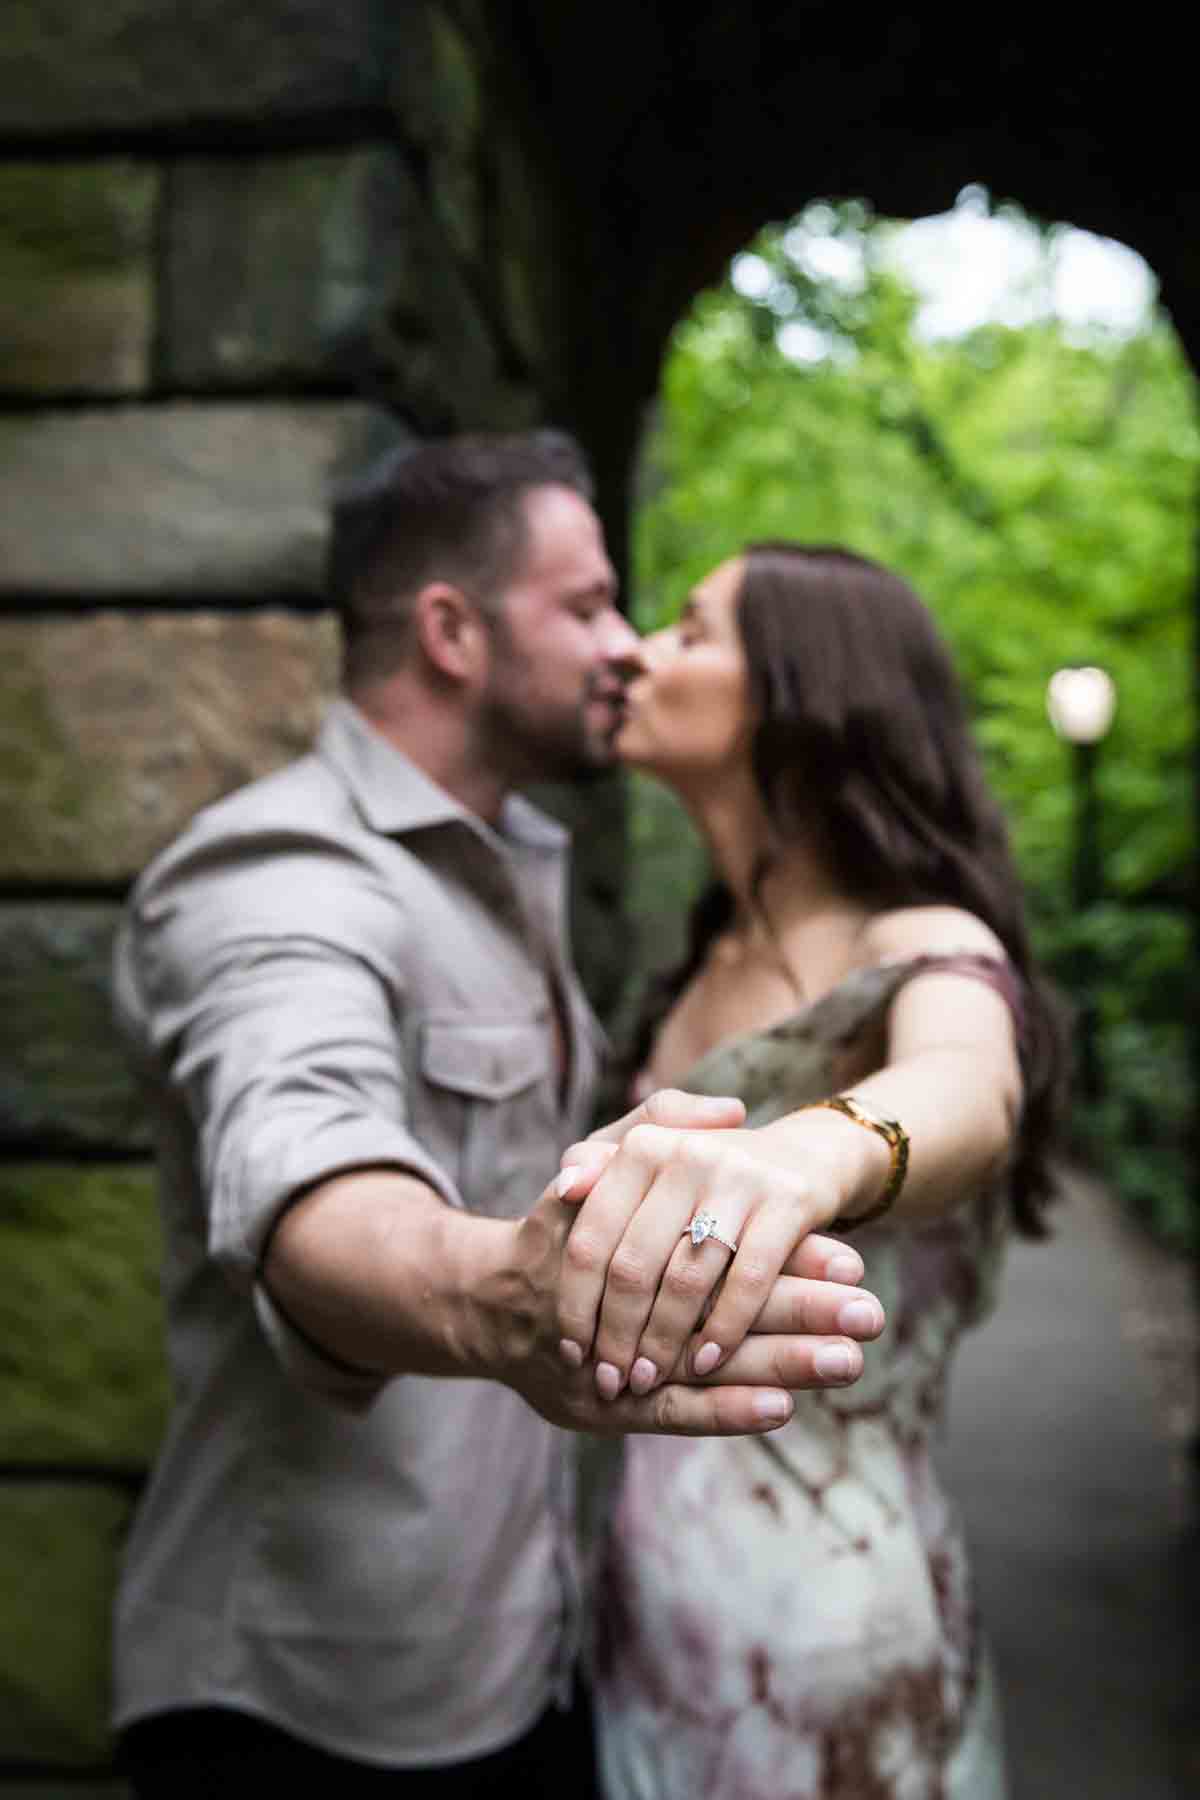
x: 337, y: 966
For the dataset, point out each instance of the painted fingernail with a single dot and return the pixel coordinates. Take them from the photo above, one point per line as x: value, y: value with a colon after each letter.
x: 706, y: 1359
x: 771, y: 1407
x: 570, y: 1352
x: 608, y: 1381
x: 860, y: 1318
x: 643, y: 1375
x: 844, y: 1267
x: 832, y: 1362
x: 567, y: 1180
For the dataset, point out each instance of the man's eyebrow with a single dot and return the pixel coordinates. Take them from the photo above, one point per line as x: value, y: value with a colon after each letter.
x: 600, y: 589
x: 604, y: 588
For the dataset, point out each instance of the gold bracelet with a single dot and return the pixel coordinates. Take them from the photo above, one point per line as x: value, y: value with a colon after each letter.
x: 893, y: 1135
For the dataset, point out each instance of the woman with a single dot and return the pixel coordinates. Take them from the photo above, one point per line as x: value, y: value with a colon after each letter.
x: 791, y: 1615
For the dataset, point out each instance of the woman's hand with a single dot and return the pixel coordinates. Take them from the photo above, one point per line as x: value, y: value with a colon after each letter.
x: 635, y: 1287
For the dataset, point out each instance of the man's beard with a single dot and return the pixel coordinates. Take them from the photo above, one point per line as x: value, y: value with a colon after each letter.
x: 548, y: 747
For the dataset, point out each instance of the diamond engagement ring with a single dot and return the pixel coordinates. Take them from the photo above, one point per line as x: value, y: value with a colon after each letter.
x: 704, y: 1225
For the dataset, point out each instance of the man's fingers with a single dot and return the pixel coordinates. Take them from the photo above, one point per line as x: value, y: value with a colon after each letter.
x: 793, y: 1362
x: 719, y: 1411
x: 800, y: 1307
x: 683, y: 1112
x: 825, y: 1259
x: 582, y: 1166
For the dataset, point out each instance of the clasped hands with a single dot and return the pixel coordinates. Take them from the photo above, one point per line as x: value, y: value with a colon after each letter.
x: 681, y: 1337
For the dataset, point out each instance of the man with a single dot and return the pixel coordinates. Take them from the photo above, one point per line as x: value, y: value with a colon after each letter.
x: 350, y: 991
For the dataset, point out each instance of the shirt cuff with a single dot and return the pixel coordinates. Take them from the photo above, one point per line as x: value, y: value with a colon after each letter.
x: 310, y: 1368
x: 254, y: 1180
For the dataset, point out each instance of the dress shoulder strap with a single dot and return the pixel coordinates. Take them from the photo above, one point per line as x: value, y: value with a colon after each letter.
x: 997, y: 972
x: 841, y: 1014
x: 779, y: 1068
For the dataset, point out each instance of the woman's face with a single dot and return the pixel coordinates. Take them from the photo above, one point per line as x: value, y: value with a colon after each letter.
x: 688, y: 713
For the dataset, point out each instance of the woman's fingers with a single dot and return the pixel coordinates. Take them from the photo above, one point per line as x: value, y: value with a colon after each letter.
x: 659, y: 1273
x: 635, y: 1285
x: 582, y: 1165
x: 600, y: 1226
x: 766, y: 1246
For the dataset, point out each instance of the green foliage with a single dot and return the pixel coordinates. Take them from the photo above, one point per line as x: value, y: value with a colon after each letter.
x: 82, y: 1369
x: 1038, y: 486
x: 59, y: 1548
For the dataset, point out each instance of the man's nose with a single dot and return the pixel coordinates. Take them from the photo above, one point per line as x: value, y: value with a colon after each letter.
x: 623, y: 648
x: 651, y: 649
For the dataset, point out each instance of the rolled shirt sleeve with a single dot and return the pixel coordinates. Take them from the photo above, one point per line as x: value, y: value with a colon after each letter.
x: 285, y: 1044
x: 293, y: 1068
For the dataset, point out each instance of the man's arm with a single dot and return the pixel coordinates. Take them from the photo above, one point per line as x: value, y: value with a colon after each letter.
x: 281, y: 1039
x: 381, y: 1274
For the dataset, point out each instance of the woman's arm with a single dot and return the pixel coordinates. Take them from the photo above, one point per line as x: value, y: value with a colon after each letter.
x: 635, y: 1285
x: 951, y: 1073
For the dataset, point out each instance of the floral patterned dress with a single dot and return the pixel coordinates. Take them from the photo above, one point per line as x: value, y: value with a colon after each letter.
x: 791, y: 1617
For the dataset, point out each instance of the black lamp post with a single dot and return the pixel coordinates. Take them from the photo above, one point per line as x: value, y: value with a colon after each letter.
x: 1081, y: 703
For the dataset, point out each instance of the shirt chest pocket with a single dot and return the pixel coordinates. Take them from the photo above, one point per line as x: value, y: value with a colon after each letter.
x: 487, y: 1096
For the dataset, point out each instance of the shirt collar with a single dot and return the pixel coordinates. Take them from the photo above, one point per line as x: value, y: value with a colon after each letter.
x: 395, y: 796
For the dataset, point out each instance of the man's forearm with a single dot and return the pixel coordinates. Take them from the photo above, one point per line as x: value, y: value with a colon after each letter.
x: 382, y: 1274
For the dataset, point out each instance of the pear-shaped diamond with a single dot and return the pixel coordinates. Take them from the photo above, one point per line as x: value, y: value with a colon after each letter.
x: 702, y: 1225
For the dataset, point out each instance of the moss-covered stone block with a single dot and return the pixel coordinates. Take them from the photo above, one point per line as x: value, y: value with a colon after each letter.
x: 528, y: 279
x: 273, y: 265
x: 458, y: 205
x: 64, y: 1077
x: 436, y: 87
x: 76, y: 276
x: 215, y: 500
x: 59, y: 1551
x: 82, y: 1375
x: 66, y: 65
x: 116, y: 727
x: 439, y: 344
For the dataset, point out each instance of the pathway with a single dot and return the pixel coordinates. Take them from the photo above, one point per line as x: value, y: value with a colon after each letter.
x: 1067, y: 1416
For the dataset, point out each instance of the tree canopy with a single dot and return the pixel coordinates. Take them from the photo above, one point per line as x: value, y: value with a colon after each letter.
x: 1037, y: 484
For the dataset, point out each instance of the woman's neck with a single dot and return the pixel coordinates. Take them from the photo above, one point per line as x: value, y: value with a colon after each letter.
x: 778, y: 886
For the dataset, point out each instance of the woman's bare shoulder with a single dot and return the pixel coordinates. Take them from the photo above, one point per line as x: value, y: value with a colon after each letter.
x: 928, y: 931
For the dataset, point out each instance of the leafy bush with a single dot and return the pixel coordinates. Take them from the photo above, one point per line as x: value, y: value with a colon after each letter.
x: 1038, y: 485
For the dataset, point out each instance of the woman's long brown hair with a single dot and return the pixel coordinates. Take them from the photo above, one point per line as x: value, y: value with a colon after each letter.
x: 863, y: 736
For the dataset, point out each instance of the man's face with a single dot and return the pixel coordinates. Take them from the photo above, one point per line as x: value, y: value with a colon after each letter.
x: 560, y: 650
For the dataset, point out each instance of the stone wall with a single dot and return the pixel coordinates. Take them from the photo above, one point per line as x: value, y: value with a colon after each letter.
x: 241, y: 247
x: 243, y: 244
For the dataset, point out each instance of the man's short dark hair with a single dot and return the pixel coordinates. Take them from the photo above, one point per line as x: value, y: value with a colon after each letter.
x: 450, y: 509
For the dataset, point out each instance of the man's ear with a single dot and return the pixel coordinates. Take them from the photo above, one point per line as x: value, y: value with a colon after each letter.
x: 450, y: 630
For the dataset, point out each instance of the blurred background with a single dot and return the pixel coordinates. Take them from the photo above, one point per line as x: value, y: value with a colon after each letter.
x: 783, y: 278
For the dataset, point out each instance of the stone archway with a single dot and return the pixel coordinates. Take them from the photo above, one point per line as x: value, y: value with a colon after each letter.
x: 240, y: 244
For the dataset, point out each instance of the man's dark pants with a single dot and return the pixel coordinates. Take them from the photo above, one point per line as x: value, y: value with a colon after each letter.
x: 211, y: 1751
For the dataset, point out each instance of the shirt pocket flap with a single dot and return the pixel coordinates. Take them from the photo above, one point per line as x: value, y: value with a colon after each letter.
x: 488, y: 1062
